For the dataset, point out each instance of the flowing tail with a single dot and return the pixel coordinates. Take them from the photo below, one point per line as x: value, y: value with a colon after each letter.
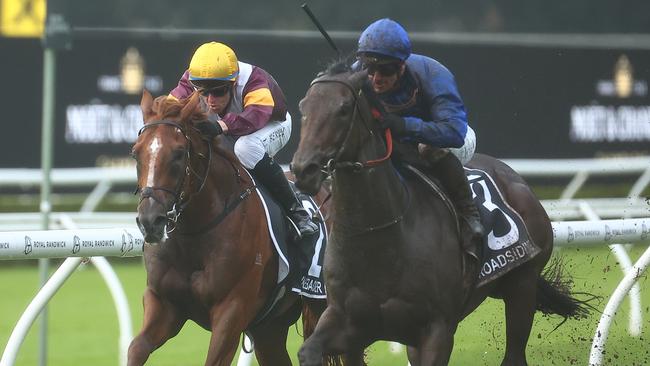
x: 554, y: 294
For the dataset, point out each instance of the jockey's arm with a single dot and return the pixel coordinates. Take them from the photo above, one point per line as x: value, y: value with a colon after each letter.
x: 259, y: 104
x: 257, y: 112
x: 448, y: 125
x: 183, y: 89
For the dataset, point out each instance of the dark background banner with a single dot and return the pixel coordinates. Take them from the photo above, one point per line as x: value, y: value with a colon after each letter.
x: 523, y: 102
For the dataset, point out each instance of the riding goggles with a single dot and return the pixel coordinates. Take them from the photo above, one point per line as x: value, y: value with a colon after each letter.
x: 389, y: 69
x: 216, y: 91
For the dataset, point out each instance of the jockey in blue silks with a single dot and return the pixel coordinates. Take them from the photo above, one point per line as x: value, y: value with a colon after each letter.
x: 424, y: 107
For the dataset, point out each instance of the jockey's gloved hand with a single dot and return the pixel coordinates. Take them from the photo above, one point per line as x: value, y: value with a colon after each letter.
x: 396, y: 124
x: 209, y: 128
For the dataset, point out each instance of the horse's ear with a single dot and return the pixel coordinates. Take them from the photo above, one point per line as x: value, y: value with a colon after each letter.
x: 190, y: 108
x: 356, y: 78
x: 146, y: 103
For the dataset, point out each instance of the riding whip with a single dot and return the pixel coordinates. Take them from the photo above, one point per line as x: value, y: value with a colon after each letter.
x: 320, y: 27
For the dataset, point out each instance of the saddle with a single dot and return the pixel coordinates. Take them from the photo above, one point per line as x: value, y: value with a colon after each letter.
x: 506, y: 244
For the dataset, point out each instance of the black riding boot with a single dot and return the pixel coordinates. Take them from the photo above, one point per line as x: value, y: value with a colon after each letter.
x: 451, y: 174
x: 272, y: 177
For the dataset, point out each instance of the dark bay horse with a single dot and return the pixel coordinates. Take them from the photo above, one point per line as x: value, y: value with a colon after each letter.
x: 217, y: 265
x: 393, y: 266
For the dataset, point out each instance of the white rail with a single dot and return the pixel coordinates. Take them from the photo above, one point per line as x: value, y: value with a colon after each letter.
x: 75, y: 245
x: 597, y: 233
x: 24, y: 177
x: 103, y: 179
x: 602, y: 331
x: 71, y: 243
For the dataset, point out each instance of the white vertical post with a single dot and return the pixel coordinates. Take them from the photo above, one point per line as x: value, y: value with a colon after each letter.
x: 121, y: 306
x: 600, y: 337
x: 624, y: 260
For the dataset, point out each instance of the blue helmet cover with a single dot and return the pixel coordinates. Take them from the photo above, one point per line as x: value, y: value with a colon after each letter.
x: 385, y: 37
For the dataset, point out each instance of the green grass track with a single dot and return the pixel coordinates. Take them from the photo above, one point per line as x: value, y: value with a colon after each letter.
x: 83, y: 327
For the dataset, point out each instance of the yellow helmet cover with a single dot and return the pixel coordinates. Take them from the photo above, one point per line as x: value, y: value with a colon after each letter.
x: 214, y: 61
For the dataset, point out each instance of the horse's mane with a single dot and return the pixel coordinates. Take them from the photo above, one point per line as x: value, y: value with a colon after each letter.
x: 166, y: 107
x: 339, y: 66
x: 172, y: 108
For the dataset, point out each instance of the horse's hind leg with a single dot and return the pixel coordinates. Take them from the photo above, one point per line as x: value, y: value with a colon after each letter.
x: 161, y: 323
x: 270, y: 338
x: 271, y: 345
x: 519, y: 288
x: 519, y: 296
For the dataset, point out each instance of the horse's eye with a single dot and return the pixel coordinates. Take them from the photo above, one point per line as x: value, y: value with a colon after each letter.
x: 178, y: 154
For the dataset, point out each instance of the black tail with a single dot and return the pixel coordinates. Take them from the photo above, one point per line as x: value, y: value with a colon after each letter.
x: 554, y: 294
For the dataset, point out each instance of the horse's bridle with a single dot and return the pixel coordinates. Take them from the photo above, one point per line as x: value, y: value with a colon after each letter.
x: 357, y: 166
x: 181, y: 199
x: 335, y: 162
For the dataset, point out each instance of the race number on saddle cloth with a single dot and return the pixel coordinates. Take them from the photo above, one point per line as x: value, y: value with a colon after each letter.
x: 507, y: 243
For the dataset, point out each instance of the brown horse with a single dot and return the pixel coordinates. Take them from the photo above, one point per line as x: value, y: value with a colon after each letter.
x: 217, y: 265
x: 393, y: 266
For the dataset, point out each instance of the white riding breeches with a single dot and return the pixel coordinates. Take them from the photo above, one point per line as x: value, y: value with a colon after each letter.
x: 270, y: 139
x: 466, y: 152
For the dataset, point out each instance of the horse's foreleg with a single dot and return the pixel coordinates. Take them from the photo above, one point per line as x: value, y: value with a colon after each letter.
x: 161, y: 322
x: 228, y: 322
x: 436, y: 345
x: 333, y: 336
x: 413, y: 355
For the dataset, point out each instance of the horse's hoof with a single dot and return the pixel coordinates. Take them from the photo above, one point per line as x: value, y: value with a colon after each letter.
x: 306, y: 358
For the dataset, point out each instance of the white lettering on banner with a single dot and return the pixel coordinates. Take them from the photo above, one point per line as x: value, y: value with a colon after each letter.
x: 599, y: 123
x: 49, y: 244
x: 102, y: 123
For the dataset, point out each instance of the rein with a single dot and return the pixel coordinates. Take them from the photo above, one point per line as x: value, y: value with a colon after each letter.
x: 356, y: 166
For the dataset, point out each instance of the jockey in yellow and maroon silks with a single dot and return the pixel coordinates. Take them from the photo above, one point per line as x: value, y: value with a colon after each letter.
x: 244, y: 101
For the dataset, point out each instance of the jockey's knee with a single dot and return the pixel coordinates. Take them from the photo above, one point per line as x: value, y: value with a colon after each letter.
x: 249, y: 150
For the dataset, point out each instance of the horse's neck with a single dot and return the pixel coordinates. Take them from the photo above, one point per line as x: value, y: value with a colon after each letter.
x: 225, y: 180
x: 370, y: 198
